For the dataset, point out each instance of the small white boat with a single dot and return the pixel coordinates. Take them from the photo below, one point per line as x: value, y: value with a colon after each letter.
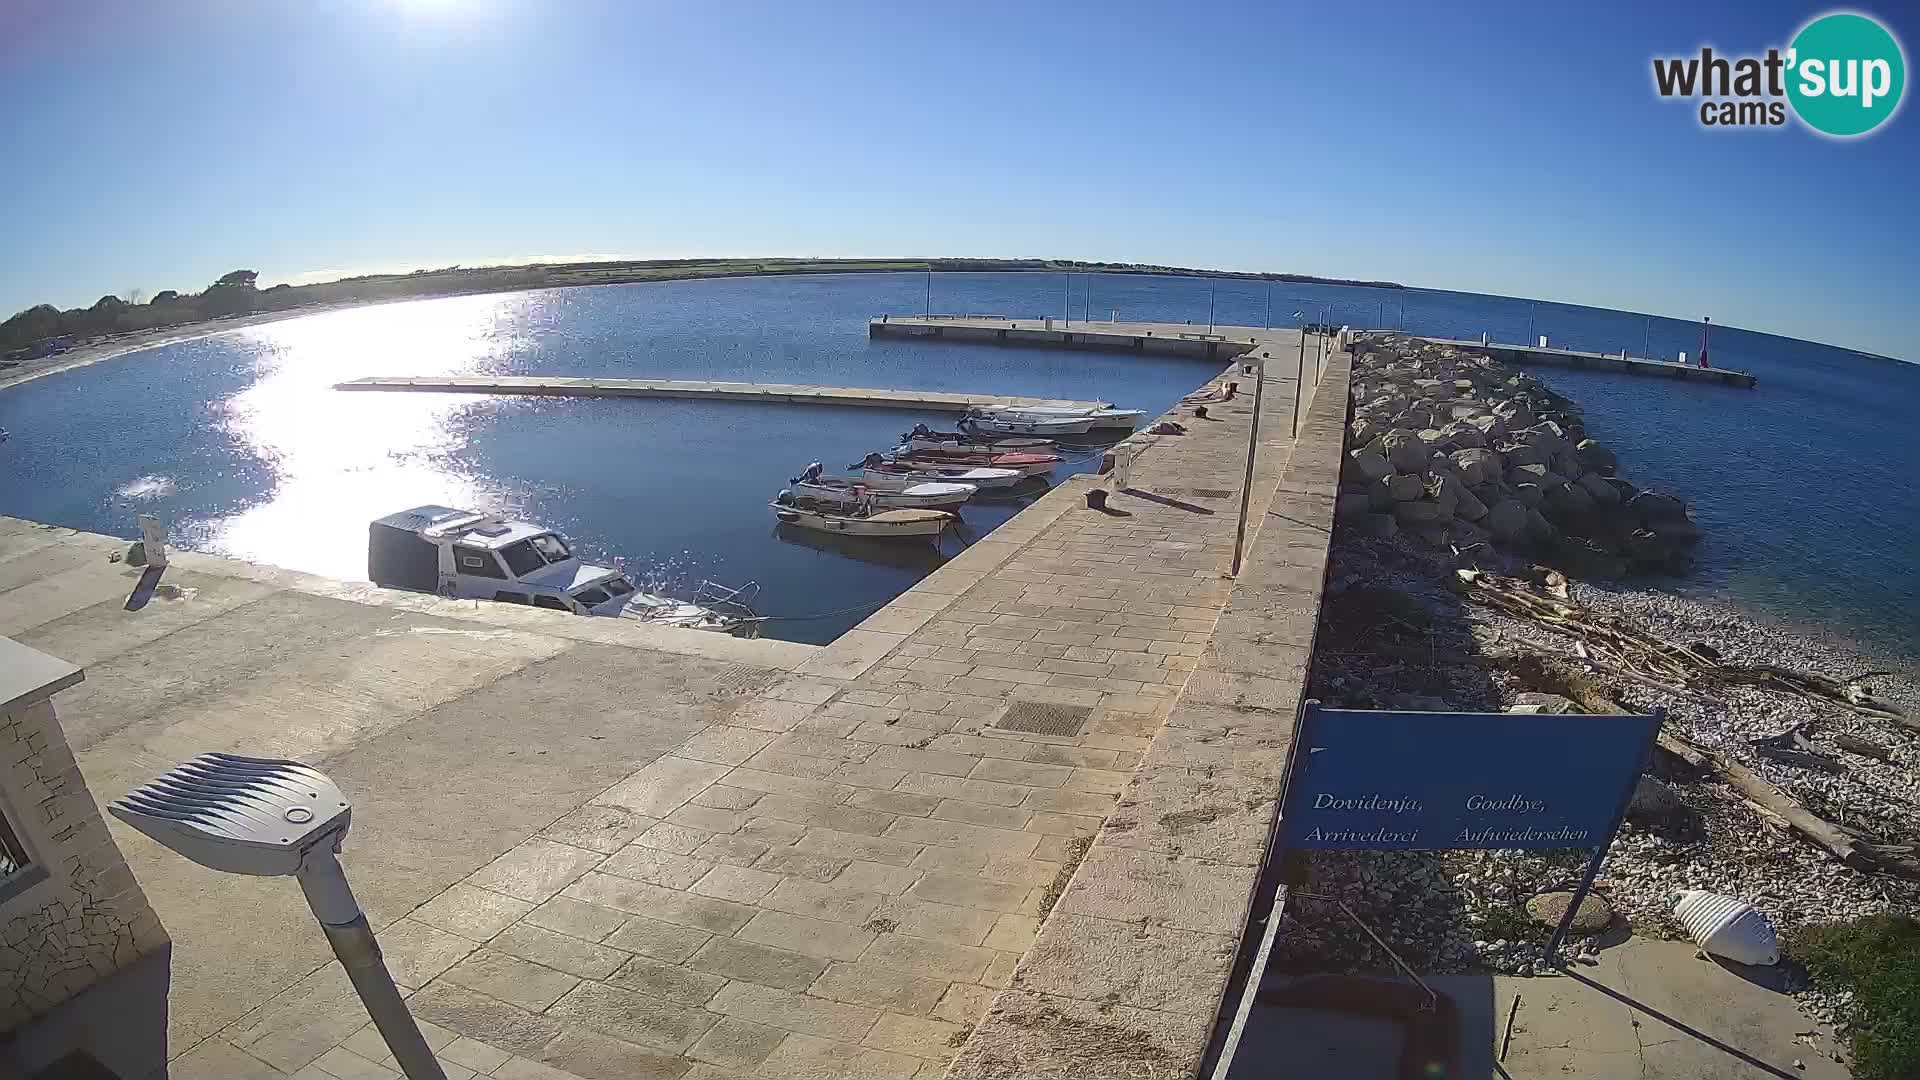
x: 996, y: 423
x: 894, y: 494
x: 880, y: 524
x: 475, y: 556
x: 1097, y: 418
x: 923, y: 437
x: 980, y: 477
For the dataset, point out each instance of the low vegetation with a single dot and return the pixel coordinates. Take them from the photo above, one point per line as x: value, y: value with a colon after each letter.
x: 1877, y: 958
x: 236, y: 293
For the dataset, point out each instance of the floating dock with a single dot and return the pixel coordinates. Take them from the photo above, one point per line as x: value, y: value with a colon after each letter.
x: 782, y: 393
x: 1220, y: 341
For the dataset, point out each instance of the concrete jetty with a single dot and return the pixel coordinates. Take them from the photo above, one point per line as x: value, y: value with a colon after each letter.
x: 1222, y: 340
x: 776, y: 393
x: 1169, y: 338
x: 597, y: 849
x: 1549, y: 356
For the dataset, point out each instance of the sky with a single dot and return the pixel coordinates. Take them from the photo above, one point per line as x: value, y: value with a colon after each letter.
x: 1509, y: 148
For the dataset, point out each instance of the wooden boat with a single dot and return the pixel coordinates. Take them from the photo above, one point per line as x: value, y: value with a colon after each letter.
x: 1024, y: 462
x: 893, y: 494
x: 1105, y: 417
x: 878, y: 524
x: 881, y: 471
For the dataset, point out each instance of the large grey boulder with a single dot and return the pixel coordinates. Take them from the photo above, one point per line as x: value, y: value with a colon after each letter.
x: 1652, y: 506
x: 1514, y: 413
x: 1362, y: 432
x: 1522, y: 454
x: 1463, y: 435
x: 1597, y: 487
x: 1538, y: 527
x: 1534, y: 474
x: 1420, y: 512
x: 1477, y: 466
x: 1490, y: 425
x: 1467, y: 506
x: 1368, y: 465
x: 1348, y: 503
x: 1569, y: 501
x: 1404, y: 449
x: 1400, y: 487
x: 1506, y: 519
x: 1596, y: 458
x: 1530, y: 495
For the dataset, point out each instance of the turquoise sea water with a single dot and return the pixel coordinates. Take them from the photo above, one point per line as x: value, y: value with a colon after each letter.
x: 1805, y: 486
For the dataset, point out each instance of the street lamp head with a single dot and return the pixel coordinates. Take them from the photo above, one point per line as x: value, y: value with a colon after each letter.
x: 241, y: 815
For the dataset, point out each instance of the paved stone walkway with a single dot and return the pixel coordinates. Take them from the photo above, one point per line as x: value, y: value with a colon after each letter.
x: 838, y: 877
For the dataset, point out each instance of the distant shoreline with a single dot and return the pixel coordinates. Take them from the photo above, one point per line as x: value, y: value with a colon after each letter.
x: 477, y: 281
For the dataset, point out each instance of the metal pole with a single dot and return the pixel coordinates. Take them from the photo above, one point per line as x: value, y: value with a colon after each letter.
x: 1531, y: 336
x: 1646, y: 340
x: 1066, y: 298
x: 929, y: 292
x: 1299, y: 365
x: 1211, y: 289
x: 1269, y: 321
x: 333, y: 903
x: 1253, y: 444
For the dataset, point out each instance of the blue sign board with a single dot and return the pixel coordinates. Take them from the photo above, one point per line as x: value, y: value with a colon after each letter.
x: 1405, y: 780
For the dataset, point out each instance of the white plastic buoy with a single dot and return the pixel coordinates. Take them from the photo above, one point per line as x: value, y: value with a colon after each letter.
x: 1728, y: 927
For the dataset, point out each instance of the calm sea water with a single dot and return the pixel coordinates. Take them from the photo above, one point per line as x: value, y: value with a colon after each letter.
x: 1804, y: 486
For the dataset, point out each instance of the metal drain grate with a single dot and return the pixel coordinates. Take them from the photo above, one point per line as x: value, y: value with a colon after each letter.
x: 1209, y: 493
x: 744, y: 679
x: 1044, y: 718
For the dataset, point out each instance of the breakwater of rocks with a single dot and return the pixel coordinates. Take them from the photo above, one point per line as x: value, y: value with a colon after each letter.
x: 1460, y: 450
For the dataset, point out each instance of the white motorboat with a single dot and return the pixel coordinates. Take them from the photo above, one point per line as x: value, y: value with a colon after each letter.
x: 981, y: 477
x: 474, y: 556
x: 1098, y: 418
x: 893, y: 494
x: 879, y: 524
x: 923, y: 437
x: 982, y: 419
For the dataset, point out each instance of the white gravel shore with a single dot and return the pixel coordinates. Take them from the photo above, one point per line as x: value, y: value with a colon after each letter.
x: 1464, y: 911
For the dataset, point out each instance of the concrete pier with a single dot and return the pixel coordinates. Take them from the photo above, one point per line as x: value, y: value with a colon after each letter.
x: 1221, y: 340
x: 1548, y: 356
x: 1175, y: 339
x: 596, y: 849
x: 775, y: 393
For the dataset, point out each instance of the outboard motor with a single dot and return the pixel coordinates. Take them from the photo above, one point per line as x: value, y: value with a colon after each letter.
x: 785, y: 498
x: 873, y: 461
x: 809, y: 474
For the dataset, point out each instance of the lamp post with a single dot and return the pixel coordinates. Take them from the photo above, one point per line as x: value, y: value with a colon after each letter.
x: 271, y: 818
x: 1253, y: 444
x: 1299, y: 369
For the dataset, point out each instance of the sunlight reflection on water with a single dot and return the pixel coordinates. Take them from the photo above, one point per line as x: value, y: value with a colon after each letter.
x: 339, y: 460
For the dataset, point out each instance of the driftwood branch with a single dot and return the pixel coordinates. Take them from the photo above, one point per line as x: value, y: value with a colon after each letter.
x: 1605, y: 641
x: 1841, y: 842
x: 1772, y: 804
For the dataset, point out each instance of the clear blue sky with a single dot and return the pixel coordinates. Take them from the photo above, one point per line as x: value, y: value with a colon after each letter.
x: 1512, y: 148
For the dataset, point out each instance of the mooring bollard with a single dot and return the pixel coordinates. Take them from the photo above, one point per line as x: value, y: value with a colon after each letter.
x: 1200, y: 411
x: 1097, y: 499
